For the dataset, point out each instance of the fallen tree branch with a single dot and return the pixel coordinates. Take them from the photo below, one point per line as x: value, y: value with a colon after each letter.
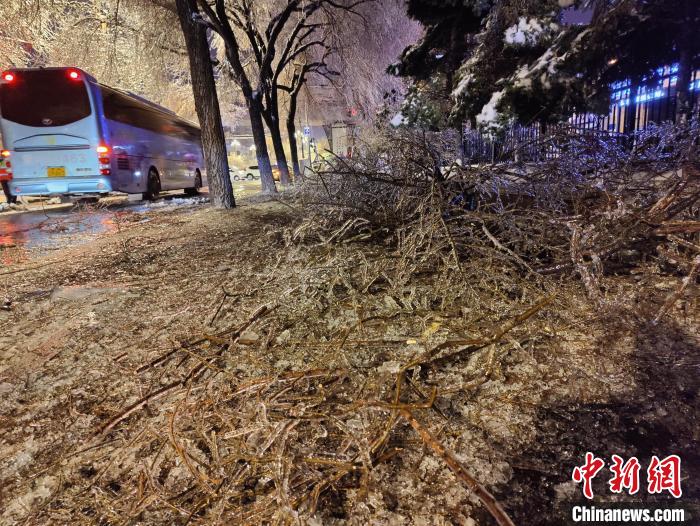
x: 259, y: 312
x: 679, y: 291
x: 488, y: 500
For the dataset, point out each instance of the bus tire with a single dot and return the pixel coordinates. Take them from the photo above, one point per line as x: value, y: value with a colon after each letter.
x: 197, y: 184
x: 250, y: 177
x: 153, y: 186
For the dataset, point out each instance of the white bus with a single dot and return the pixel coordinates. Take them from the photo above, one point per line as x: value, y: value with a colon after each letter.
x: 67, y: 134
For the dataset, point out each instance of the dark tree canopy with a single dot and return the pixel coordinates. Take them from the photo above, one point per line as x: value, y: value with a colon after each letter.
x: 449, y: 27
x: 500, y: 60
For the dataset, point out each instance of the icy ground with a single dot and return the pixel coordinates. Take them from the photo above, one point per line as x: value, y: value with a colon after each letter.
x: 90, y: 330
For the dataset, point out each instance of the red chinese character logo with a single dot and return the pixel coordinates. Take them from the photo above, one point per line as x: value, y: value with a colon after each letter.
x: 587, y: 473
x: 625, y: 475
x: 665, y: 475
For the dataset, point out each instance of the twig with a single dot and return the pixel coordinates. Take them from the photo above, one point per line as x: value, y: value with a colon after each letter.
x: 679, y: 291
x: 216, y: 338
x: 223, y: 300
x: 194, y: 373
x: 505, y: 249
x: 133, y: 408
x: 488, y: 500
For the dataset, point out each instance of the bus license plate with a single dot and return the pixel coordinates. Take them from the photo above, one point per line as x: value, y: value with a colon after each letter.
x: 56, y: 171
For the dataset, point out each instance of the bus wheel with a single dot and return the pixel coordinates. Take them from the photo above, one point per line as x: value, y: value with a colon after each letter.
x: 197, y: 184
x: 153, y: 188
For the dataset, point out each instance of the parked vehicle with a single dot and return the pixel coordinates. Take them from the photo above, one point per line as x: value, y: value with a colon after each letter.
x: 68, y: 134
x: 246, y: 174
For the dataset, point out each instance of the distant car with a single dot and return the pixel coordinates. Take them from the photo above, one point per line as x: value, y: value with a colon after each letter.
x: 246, y: 174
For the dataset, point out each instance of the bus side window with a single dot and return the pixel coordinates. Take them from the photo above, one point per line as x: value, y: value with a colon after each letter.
x: 158, y: 122
x: 120, y: 108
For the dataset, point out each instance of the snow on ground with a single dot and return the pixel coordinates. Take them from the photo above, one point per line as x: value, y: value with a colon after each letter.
x: 175, y: 202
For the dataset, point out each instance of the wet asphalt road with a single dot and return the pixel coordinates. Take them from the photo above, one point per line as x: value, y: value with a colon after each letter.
x: 55, y: 226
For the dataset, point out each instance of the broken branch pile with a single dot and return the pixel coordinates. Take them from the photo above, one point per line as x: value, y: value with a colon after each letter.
x: 402, y: 367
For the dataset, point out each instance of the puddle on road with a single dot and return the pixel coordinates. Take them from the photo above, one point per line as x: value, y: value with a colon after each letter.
x: 32, y: 231
x: 52, y: 230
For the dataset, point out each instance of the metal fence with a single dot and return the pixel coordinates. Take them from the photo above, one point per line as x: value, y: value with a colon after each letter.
x: 632, y: 109
x: 533, y: 143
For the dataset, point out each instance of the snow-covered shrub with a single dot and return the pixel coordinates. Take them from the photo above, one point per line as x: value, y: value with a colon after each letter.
x: 529, y: 32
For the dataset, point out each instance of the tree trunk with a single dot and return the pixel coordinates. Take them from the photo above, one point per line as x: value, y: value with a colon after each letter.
x: 271, y: 115
x: 293, y: 148
x: 207, y: 106
x: 256, y: 123
x: 292, y: 132
x: 273, y: 124
x: 280, y: 153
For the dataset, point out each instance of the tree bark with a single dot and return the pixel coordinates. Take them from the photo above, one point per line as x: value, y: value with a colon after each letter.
x: 293, y: 148
x: 271, y: 114
x: 261, y: 153
x: 273, y: 124
x: 207, y: 106
x: 291, y: 115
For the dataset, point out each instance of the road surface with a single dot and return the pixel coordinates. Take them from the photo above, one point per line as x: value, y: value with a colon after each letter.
x: 50, y: 226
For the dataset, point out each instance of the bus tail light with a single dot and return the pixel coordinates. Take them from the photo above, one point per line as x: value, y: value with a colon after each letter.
x: 103, y: 157
x: 5, y: 153
x: 73, y: 74
x: 6, y: 167
x: 8, y: 76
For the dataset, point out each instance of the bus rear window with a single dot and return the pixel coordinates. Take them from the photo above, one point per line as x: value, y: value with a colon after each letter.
x: 44, y: 98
